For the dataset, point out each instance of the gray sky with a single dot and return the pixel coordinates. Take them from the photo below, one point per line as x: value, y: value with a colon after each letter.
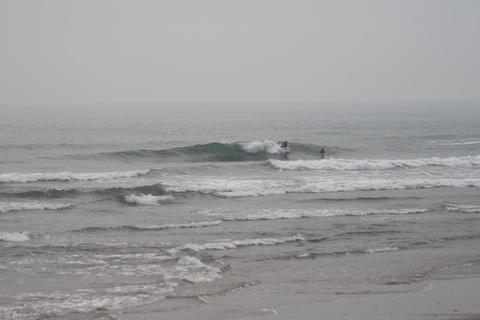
x: 244, y: 50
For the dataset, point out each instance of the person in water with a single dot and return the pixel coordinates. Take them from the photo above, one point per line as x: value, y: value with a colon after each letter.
x: 322, y: 153
x: 284, y: 145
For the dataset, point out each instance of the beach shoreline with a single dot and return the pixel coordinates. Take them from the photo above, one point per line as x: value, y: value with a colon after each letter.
x: 451, y: 295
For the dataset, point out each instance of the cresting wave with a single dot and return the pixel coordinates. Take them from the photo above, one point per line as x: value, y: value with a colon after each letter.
x: 15, y: 177
x: 218, y: 151
x: 147, y: 199
x: 32, y: 205
x: 375, y: 164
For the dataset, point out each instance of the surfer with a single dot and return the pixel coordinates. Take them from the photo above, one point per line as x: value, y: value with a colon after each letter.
x: 284, y: 145
x: 322, y: 153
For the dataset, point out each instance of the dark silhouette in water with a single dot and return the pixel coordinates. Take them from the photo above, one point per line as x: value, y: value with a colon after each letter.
x: 284, y: 145
x: 322, y: 153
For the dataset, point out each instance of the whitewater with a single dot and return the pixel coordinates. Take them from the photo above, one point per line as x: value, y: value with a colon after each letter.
x: 148, y: 212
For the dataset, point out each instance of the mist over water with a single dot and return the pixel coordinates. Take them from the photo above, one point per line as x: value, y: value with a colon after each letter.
x: 105, y: 211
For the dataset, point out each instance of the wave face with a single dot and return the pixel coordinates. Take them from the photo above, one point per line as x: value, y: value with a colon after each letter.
x: 32, y: 205
x: 218, y: 152
x: 374, y: 164
x: 15, y: 177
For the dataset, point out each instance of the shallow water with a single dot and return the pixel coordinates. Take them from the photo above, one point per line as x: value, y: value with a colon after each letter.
x: 99, y: 215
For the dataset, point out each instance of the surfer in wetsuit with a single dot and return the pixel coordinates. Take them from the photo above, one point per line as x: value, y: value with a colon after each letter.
x: 284, y: 145
x: 322, y: 153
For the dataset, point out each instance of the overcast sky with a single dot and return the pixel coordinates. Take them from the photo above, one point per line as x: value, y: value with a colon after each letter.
x: 243, y: 50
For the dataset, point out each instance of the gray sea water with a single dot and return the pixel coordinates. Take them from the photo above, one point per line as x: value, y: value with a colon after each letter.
x: 104, y: 211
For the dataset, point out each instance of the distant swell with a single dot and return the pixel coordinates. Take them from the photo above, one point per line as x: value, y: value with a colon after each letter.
x: 15, y: 177
x: 471, y: 141
x: 48, y: 193
x: 32, y: 205
x: 374, y: 164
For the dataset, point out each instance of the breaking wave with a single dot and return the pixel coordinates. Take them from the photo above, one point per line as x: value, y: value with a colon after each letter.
x: 218, y: 151
x: 15, y: 177
x: 32, y: 205
x: 232, y: 188
x: 147, y: 199
x: 375, y: 164
x: 14, y: 236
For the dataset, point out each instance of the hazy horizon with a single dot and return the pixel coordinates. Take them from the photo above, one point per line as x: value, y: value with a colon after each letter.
x: 89, y: 52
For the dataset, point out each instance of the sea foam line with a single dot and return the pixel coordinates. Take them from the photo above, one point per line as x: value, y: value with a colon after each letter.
x: 15, y: 177
x: 14, y: 236
x: 374, y: 164
x: 279, y: 214
x: 235, y: 244
x: 232, y: 188
x: 463, y: 208
x: 32, y: 205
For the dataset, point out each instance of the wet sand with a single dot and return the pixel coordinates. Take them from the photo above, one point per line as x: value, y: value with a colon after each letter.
x: 452, y: 296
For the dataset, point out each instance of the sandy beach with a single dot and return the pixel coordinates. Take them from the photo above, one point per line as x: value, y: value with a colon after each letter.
x: 452, y: 295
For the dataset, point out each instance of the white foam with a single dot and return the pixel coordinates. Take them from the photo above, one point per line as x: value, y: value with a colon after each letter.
x: 262, y: 146
x: 228, y: 187
x: 14, y: 236
x: 193, y: 270
x: 386, y: 184
x: 32, y: 205
x: 198, y: 224
x: 68, y: 176
x: 59, y: 304
x: 453, y: 142
x: 234, y: 244
x: 234, y: 187
x: 147, y: 199
x: 386, y: 249
x: 278, y: 214
x: 374, y: 164
x: 464, y: 208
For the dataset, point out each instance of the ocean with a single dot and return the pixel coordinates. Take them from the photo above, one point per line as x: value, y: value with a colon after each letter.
x: 106, y: 212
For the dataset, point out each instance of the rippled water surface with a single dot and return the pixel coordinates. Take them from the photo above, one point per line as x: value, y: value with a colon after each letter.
x: 101, y: 214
